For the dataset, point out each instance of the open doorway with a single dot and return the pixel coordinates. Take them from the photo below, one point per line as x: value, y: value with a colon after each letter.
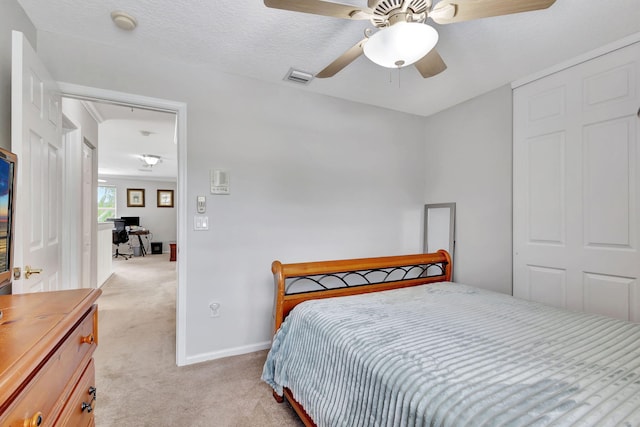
x: 177, y: 111
x: 137, y: 176
x: 132, y: 154
x: 64, y: 194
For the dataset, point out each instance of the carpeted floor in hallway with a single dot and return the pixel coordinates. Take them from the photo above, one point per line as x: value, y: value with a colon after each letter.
x: 138, y: 381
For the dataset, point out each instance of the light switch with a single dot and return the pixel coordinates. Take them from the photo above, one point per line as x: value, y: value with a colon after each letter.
x: 200, y: 222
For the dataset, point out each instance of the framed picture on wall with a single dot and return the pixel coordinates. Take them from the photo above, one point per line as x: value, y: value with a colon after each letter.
x: 135, y: 197
x: 165, y: 198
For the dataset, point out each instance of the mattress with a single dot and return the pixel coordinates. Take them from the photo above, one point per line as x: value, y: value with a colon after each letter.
x: 448, y: 354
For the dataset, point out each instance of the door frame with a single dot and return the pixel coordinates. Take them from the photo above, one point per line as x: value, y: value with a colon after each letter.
x: 70, y: 252
x: 180, y: 109
x: 89, y: 215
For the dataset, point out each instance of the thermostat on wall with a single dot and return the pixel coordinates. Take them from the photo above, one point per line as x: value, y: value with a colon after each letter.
x: 219, y: 181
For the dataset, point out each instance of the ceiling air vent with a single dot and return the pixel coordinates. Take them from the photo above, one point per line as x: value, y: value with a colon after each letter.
x: 297, y: 76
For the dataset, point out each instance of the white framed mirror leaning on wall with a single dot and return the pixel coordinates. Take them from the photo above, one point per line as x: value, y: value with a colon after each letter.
x: 439, y: 228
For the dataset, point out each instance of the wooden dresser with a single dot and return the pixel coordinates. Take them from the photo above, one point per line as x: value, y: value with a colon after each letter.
x: 47, y: 374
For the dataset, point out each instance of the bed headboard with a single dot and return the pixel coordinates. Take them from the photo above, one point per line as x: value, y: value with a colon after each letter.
x: 296, y: 283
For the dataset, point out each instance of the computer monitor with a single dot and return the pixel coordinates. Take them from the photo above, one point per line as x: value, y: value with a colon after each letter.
x: 131, y: 221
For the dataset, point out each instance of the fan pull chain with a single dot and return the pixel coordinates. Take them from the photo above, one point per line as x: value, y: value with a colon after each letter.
x: 391, y: 76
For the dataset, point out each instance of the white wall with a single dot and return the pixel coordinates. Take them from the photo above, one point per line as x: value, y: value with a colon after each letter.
x: 161, y: 222
x: 312, y: 177
x: 307, y: 183
x: 79, y: 126
x: 468, y: 161
x: 104, y: 253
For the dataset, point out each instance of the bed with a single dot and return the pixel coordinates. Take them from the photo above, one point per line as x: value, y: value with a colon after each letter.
x: 392, y: 342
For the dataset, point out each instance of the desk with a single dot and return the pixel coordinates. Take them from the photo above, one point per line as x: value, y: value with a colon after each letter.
x: 140, y: 233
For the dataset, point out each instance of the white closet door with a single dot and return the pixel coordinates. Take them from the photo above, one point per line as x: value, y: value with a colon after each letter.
x: 577, y: 187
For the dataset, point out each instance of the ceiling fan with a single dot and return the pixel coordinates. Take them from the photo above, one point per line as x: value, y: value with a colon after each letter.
x: 403, y: 38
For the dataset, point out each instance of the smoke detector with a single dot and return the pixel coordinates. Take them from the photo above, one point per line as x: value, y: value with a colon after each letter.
x: 123, y: 20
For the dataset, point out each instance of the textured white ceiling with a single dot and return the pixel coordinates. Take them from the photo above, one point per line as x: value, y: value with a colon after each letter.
x: 246, y: 38
x: 121, y: 142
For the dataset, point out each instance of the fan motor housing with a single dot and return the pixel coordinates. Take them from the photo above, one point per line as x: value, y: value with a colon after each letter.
x: 385, y: 8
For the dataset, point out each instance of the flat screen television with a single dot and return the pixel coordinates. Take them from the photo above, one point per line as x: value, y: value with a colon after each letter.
x: 8, y: 163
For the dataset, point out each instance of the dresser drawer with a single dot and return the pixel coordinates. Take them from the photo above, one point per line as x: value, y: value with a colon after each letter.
x: 42, y: 399
x: 81, y: 404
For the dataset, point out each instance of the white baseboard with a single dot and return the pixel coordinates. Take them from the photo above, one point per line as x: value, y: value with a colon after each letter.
x: 235, y: 351
x: 105, y: 280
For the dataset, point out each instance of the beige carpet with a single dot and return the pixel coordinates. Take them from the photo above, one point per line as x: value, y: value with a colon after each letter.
x: 137, y: 379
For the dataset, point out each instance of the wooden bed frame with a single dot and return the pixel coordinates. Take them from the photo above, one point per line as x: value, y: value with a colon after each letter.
x: 350, y: 277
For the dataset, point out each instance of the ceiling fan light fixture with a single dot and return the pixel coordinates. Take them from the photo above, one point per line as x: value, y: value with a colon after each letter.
x: 150, y: 159
x: 402, y: 44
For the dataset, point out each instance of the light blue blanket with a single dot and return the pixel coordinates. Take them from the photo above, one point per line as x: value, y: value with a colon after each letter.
x: 452, y: 355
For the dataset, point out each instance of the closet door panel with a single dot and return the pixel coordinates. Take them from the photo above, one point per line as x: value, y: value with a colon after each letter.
x: 609, y: 185
x: 540, y: 228
x: 576, y: 187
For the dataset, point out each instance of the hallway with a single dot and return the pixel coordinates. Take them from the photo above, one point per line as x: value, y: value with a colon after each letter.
x: 137, y: 379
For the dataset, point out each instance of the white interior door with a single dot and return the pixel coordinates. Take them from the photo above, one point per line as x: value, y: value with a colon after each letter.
x: 36, y: 138
x: 577, y: 187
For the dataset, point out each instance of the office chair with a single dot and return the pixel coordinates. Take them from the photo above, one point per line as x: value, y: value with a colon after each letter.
x: 119, y: 235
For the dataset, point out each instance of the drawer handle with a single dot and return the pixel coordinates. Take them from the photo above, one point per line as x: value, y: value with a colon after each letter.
x: 86, y: 406
x: 92, y: 392
x: 35, y: 421
x: 89, y: 339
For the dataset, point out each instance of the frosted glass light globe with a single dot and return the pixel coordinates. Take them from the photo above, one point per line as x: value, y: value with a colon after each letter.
x: 401, y: 44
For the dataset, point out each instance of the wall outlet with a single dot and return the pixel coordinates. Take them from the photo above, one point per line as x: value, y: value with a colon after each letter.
x: 214, y: 308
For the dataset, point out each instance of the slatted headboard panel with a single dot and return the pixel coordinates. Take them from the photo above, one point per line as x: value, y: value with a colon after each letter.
x: 296, y: 283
